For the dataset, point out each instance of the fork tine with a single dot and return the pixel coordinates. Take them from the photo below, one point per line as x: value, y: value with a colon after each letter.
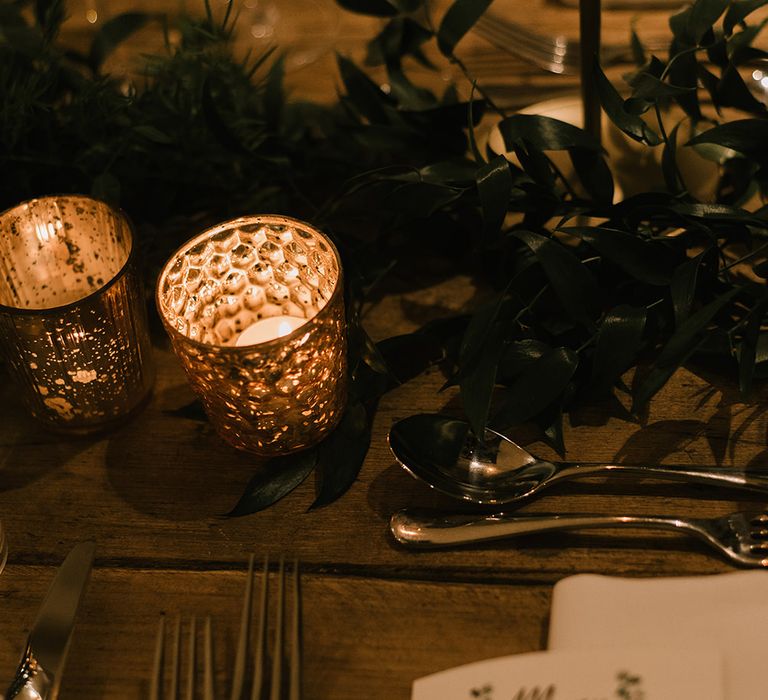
x: 294, y: 689
x: 275, y: 687
x: 174, y: 694
x: 190, y: 686
x: 190, y: 694
x: 261, y: 637
x: 155, y: 691
x: 238, y: 678
x: 208, y: 689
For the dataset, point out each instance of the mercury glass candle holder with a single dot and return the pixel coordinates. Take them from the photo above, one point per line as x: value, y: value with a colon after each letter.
x: 73, y: 325
x: 254, y: 308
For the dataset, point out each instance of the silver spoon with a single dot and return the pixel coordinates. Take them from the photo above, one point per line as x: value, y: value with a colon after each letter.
x: 444, y: 453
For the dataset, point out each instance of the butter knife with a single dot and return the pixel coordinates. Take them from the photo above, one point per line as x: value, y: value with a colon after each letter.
x: 39, y: 673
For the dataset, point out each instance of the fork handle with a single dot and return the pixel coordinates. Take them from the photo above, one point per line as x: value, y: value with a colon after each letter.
x: 431, y: 530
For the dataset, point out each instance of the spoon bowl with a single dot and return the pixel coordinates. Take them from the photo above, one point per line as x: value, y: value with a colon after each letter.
x: 444, y: 453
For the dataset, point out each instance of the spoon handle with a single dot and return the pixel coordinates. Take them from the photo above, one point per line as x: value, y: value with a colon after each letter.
x: 709, y: 476
x: 431, y: 530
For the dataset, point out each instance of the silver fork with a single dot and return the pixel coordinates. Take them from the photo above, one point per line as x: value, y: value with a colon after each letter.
x: 556, y: 54
x: 191, y: 683
x: 742, y: 536
x: 276, y: 685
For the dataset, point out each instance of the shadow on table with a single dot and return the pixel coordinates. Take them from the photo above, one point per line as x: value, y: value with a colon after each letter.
x: 169, y: 462
x: 28, y: 451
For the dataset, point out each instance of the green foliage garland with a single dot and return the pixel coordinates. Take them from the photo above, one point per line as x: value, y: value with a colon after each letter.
x: 648, y: 278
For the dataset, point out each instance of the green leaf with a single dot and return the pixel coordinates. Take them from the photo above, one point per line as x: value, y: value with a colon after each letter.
x: 683, y: 286
x: 732, y: 91
x: 494, y: 185
x: 646, y: 260
x: 594, y: 174
x: 478, y: 381
x: 692, y: 334
x: 693, y: 23
x: 649, y: 88
x: 683, y: 72
x: 153, y: 134
x: 407, y: 94
x: 400, y: 37
x: 669, y: 161
x: 688, y: 333
x: 638, y: 49
x: 216, y: 122
x: 573, y: 283
x: 738, y: 11
x: 363, y: 93
x: 480, y: 328
x: 536, y: 165
x: 746, y: 136
x: 457, y: 21
x: 275, y: 480
x: 518, y: 356
x: 748, y: 345
x: 544, y: 381
x: 374, y: 8
x: 341, y: 455
x: 421, y: 199
x: 113, y: 33
x: 619, y: 339
x: 544, y: 133
x: 613, y: 105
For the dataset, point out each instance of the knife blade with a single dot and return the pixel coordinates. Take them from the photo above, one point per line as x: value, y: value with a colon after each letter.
x: 39, y: 673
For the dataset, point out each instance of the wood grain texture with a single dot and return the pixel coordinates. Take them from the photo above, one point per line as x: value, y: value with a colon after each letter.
x: 363, y: 637
x: 376, y: 616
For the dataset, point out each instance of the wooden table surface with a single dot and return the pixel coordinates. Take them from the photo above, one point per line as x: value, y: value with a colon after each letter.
x: 376, y: 616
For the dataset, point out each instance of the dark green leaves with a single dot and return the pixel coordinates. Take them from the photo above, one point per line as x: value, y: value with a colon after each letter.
x: 613, y: 104
x: 363, y: 93
x: 494, y: 184
x: 648, y: 261
x: 544, y: 133
x: 748, y: 346
x: 340, y: 456
x: 535, y: 390
x: 572, y: 281
x: 274, y: 481
x: 113, y: 33
x: 746, y: 136
x: 692, y: 24
x: 738, y: 11
x: 376, y: 8
x: 619, y: 340
x: 679, y: 348
x: 458, y: 20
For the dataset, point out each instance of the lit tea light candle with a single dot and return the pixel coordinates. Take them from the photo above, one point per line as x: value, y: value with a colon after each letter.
x: 269, y: 329
x: 73, y: 326
x: 254, y: 308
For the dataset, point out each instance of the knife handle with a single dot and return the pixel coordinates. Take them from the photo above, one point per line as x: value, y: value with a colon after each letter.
x: 31, y: 682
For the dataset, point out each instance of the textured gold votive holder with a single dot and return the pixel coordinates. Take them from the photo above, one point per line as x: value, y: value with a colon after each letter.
x: 276, y: 396
x: 73, y: 323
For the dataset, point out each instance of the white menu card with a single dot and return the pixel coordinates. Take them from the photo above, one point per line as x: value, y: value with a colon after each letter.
x: 611, y: 674
x: 728, y: 612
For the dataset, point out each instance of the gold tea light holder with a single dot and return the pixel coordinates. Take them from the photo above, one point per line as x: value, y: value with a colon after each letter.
x: 254, y: 308
x: 73, y: 317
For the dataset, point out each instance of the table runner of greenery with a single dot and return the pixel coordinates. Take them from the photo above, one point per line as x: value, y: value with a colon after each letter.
x: 582, y: 285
